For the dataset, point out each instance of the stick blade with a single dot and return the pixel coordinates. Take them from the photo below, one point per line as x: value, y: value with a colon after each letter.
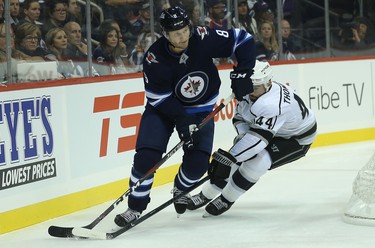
x: 88, y: 233
x: 60, y: 232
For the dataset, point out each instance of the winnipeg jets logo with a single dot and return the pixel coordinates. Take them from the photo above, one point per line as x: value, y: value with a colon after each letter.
x: 202, y: 31
x: 192, y: 86
x: 151, y: 58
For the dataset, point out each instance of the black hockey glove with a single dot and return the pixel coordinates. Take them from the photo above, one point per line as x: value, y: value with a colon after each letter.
x: 187, y: 131
x: 220, y: 165
x: 241, y: 83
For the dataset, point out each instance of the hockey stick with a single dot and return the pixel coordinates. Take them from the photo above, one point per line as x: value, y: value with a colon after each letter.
x: 93, y: 234
x: 66, y: 232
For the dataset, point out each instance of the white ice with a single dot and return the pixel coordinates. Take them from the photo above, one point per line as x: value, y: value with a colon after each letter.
x: 298, y: 205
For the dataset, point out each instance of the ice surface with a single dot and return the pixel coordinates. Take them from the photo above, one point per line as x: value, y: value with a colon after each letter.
x: 298, y: 205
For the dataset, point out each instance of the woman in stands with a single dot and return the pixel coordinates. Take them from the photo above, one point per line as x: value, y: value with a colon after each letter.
x: 57, y: 42
x: 56, y: 14
x: 267, y: 48
x: 31, y: 11
x: 110, y: 57
x: 28, y: 37
x: 17, y: 56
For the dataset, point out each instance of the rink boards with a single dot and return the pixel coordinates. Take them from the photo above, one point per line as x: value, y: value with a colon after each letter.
x: 68, y: 145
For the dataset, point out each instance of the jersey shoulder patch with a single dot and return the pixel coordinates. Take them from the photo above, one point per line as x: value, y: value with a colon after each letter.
x: 202, y: 32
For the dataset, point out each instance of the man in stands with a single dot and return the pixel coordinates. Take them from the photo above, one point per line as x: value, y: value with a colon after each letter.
x: 216, y: 14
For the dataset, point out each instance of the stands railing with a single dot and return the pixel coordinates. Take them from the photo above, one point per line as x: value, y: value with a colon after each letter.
x: 316, y: 35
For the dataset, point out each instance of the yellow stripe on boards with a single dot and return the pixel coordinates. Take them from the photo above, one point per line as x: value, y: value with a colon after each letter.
x: 42, y: 211
x: 336, y: 138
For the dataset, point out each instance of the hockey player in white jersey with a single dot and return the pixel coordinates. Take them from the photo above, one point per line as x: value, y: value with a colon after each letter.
x: 274, y: 128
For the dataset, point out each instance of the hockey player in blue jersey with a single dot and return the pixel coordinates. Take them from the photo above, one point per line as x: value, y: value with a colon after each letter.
x: 274, y: 128
x: 182, y: 86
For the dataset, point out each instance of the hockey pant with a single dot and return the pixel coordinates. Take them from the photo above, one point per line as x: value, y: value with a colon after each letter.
x: 153, y: 137
x: 279, y: 152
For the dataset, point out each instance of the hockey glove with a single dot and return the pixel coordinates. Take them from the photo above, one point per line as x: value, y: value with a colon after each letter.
x: 241, y: 83
x: 220, y: 165
x: 187, y: 131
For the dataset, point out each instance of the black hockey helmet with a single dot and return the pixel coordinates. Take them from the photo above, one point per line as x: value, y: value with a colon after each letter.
x: 172, y: 19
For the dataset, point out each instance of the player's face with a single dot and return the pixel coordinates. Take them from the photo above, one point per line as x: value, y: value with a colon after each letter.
x: 179, y: 39
x: 258, y: 91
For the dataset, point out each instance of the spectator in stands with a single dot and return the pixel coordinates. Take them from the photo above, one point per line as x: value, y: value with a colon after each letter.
x: 289, y: 46
x: 110, y: 23
x: 357, y: 34
x: 113, y: 8
x: 145, y: 15
x: 77, y: 49
x: 14, y: 13
x: 28, y: 37
x: 110, y: 55
x: 267, y: 48
x: 17, y: 56
x: 31, y: 11
x: 161, y: 5
x: 57, y: 43
x: 56, y: 15
x: 263, y: 12
x: 74, y: 12
x: 192, y: 8
x: 132, y: 28
x: 117, y: 9
x: 196, y: 14
x: 143, y: 44
x: 216, y: 14
x: 246, y: 20
x: 3, y: 54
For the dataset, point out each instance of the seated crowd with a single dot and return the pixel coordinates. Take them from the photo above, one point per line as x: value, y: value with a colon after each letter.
x: 55, y: 30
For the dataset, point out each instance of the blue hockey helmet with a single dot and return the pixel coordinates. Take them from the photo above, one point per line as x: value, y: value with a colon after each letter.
x: 172, y: 19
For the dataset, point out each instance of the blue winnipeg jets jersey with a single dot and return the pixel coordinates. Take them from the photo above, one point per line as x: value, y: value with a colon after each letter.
x: 191, y: 78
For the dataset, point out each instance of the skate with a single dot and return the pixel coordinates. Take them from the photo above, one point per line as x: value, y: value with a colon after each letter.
x: 180, y: 204
x: 218, y: 206
x: 197, y: 201
x: 127, y: 217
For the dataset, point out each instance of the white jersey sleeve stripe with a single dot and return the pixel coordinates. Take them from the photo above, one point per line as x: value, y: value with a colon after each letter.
x: 155, y: 99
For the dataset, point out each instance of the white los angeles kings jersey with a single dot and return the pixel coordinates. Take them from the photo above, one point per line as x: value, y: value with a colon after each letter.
x: 277, y: 113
